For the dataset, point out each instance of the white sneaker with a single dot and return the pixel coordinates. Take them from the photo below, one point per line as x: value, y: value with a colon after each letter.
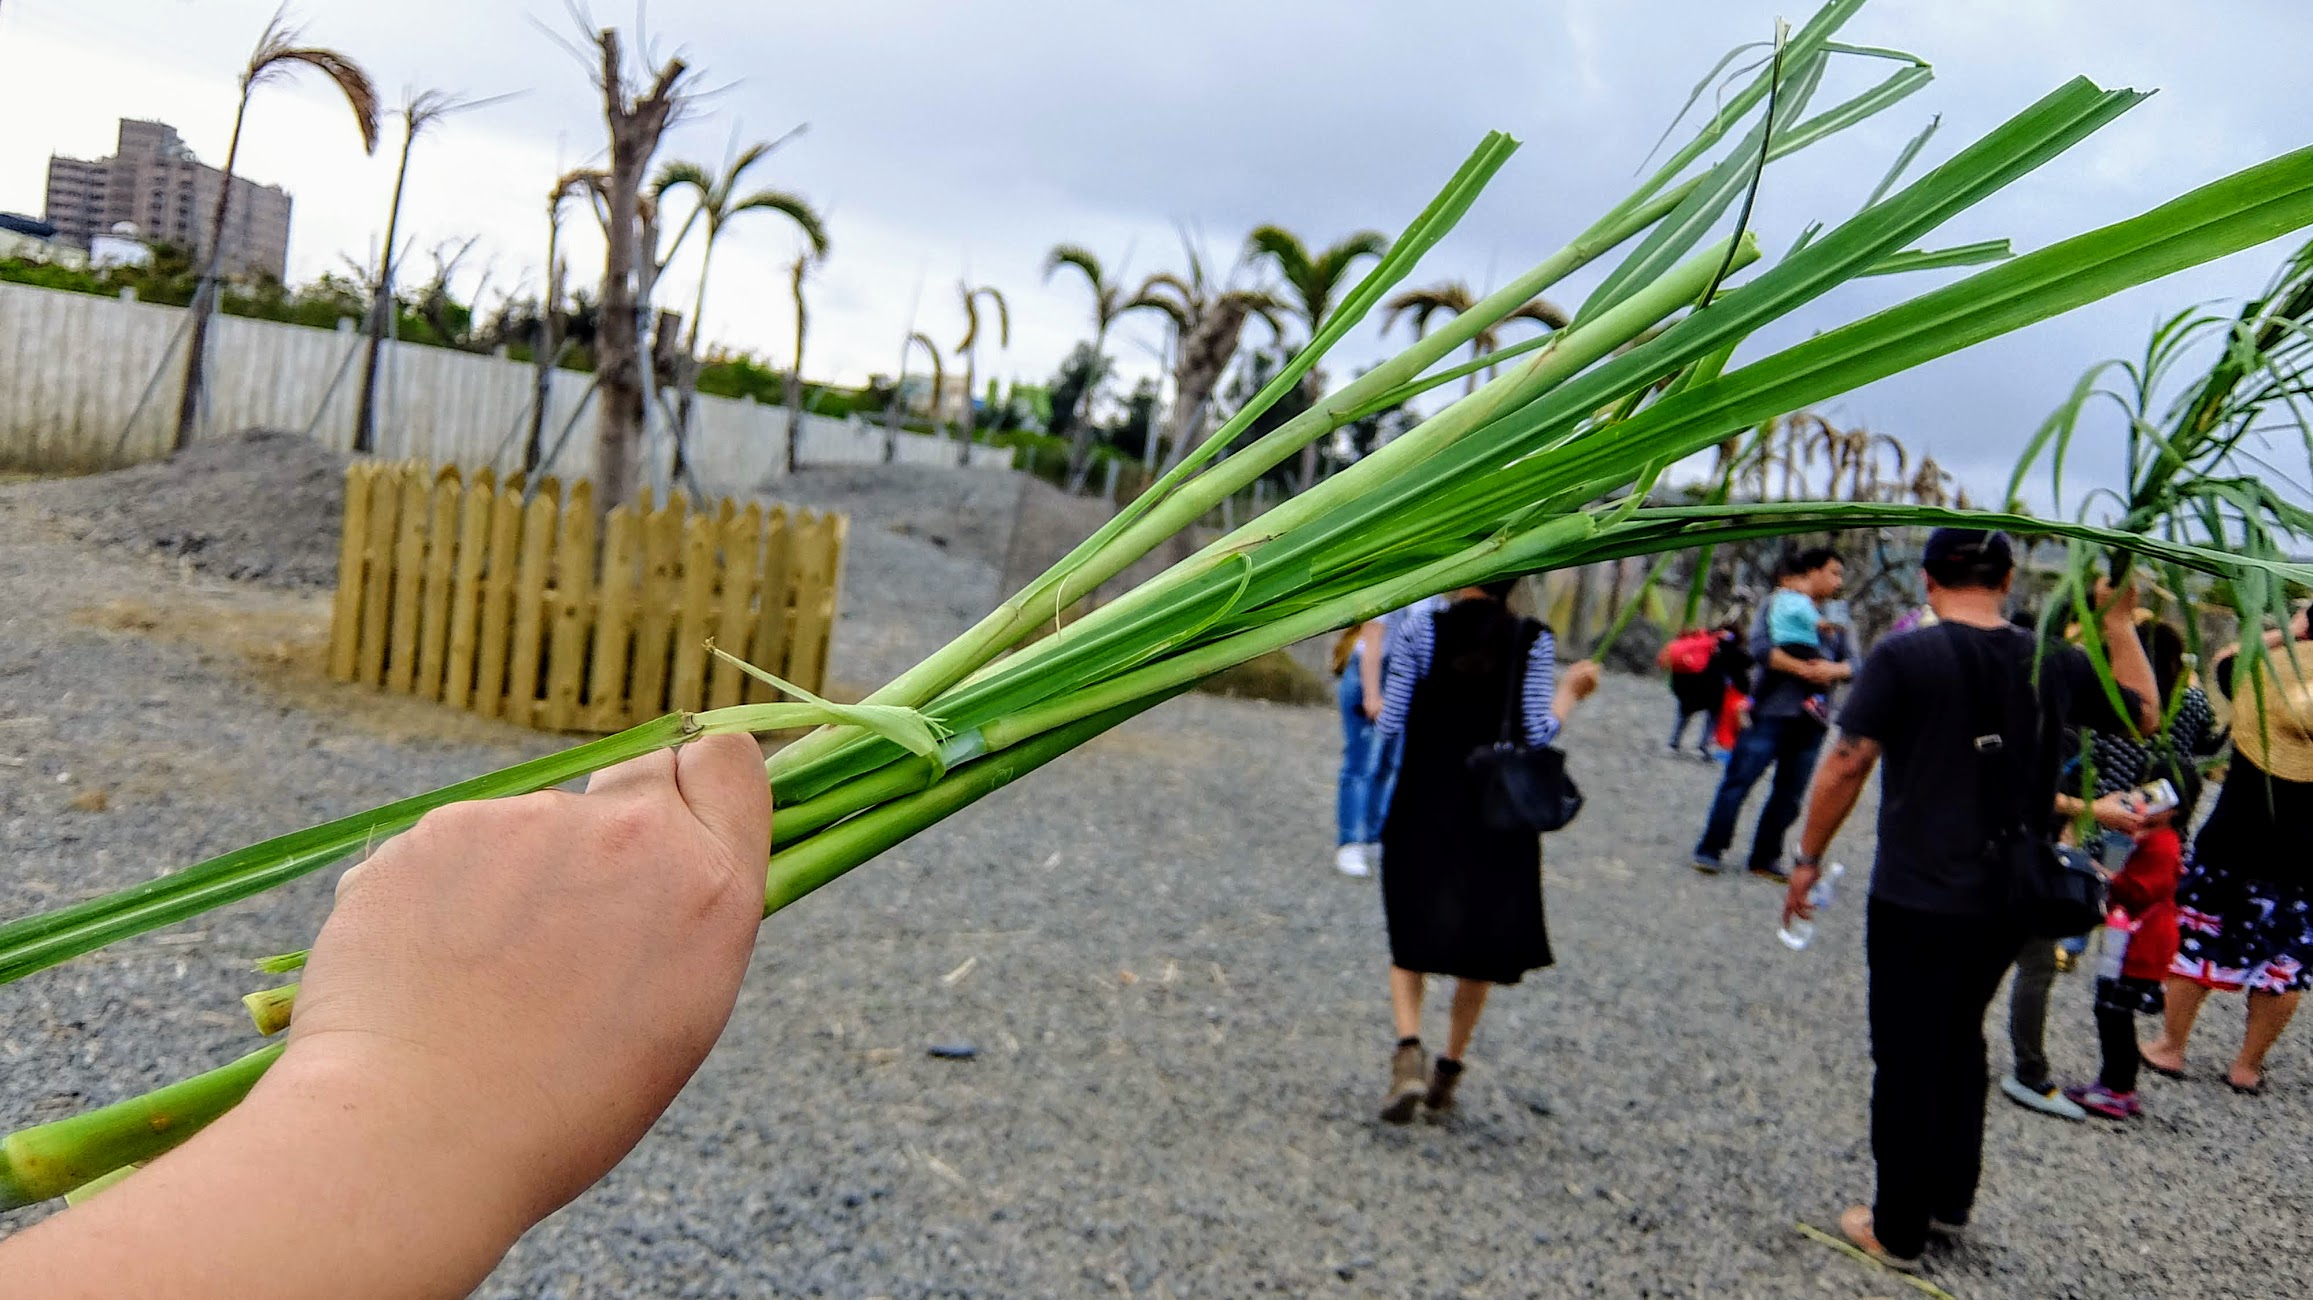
x: 2052, y: 1102
x: 1372, y: 855
x: 1350, y: 858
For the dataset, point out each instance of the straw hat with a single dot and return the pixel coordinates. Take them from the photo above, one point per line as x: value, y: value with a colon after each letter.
x: 2276, y: 733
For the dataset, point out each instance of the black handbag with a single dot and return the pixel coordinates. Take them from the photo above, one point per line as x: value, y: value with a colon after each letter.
x: 2054, y: 891
x: 1522, y: 787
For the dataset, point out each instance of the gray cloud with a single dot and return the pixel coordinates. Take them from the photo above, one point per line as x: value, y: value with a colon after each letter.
x: 950, y: 137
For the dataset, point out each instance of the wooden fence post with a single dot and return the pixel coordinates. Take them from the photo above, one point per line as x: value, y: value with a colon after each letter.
x: 815, y: 601
x: 735, y: 616
x: 572, y: 609
x: 409, y: 561
x: 607, y: 709
x: 465, y: 599
x: 655, y: 607
x: 345, y: 611
x: 530, y: 604
x: 686, y: 686
x: 498, y: 600
x: 434, y: 611
x: 385, y: 500
x: 768, y: 649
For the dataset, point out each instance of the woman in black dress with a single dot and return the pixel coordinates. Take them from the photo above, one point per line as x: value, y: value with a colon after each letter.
x: 1461, y: 900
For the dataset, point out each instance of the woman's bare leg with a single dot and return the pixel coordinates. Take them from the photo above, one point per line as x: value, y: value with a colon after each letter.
x: 2268, y: 1015
x: 2184, y: 998
x: 1469, y: 1001
x: 1405, y: 1001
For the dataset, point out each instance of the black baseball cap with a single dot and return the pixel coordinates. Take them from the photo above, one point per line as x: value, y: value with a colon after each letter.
x: 1970, y: 552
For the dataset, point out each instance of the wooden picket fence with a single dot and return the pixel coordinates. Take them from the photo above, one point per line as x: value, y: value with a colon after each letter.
x: 456, y: 590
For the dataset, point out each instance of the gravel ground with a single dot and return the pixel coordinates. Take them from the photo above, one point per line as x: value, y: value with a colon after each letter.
x: 1179, y: 1013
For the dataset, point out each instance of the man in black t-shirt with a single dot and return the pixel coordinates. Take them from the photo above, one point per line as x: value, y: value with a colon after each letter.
x: 1939, y: 929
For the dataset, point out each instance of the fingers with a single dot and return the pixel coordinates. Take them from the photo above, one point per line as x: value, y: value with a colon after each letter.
x: 721, y: 781
x: 655, y: 769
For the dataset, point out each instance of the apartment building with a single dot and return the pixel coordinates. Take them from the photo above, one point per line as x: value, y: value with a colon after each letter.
x: 153, y: 181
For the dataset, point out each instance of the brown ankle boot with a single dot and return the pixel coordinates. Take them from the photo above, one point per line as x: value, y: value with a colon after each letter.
x: 1441, y: 1093
x: 1406, y: 1068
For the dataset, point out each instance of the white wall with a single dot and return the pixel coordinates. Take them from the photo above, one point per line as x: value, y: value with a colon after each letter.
x: 75, y: 367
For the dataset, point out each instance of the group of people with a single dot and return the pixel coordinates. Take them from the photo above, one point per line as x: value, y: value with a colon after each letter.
x: 1994, y: 750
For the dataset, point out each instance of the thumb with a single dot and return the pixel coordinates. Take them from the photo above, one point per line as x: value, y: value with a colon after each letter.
x: 722, y: 782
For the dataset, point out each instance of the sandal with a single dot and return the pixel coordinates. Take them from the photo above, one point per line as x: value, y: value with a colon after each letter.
x: 2156, y: 1067
x: 1855, y: 1225
x: 2256, y: 1089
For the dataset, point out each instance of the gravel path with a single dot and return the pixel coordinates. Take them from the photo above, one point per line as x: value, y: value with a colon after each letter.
x: 1178, y: 1008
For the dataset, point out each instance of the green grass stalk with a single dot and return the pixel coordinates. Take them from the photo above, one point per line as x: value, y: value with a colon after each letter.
x: 48, y: 1160
x: 270, y: 1009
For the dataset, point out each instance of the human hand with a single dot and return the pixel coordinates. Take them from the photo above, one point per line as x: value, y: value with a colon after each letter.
x: 1580, y: 679
x: 2119, y: 811
x: 2117, y: 605
x: 1795, y: 901
x: 1372, y: 705
x: 537, y: 977
x: 1820, y: 672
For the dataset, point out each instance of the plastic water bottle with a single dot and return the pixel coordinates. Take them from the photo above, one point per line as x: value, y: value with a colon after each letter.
x: 1801, y: 932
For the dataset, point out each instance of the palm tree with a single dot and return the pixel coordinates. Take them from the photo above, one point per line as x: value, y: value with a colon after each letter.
x: 1109, y: 304
x: 636, y: 114
x: 1206, y: 327
x: 277, y: 55
x: 718, y: 201
x: 1452, y: 298
x: 1310, y: 281
x: 420, y: 111
x: 939, y: 376
x: 969, y: 350
x: 795, y: 276
x: 552, y: 320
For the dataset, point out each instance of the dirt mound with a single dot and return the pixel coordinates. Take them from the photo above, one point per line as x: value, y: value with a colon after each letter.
x: 965, y: 512
x: 262, y: 507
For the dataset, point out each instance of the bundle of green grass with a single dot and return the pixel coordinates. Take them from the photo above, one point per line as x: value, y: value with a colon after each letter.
x: 1548, y: 464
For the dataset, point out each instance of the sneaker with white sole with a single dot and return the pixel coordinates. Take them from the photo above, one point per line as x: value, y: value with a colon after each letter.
x: 1350, y: 859
x: 2097, y: 1099
x: 2051, y: 1102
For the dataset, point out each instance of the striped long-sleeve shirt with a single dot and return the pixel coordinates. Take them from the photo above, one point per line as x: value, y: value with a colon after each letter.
x: 1408, y: 655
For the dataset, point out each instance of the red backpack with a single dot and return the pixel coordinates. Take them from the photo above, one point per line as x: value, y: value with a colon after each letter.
x: 1691, y: 653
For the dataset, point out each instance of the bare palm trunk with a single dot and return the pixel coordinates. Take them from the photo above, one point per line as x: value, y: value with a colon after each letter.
x: 205, y: 297
x: 1204, y: 358
x: 687, y: 383
x: 634, y: 136
x: 893, y: 409
x: 549, y: 352
x: 1080, y: 437
x: 1313, y: 389
x: 971, y: 426
x: 795, y: 372
x: 381, y: 308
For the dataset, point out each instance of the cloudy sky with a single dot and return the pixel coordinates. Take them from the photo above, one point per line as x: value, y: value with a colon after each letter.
x: 949, y: 140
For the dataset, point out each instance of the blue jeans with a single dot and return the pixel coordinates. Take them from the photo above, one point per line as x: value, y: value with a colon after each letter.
x: 1789, y: 745
x: 1679, y: 729
x: 1368, y: 768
